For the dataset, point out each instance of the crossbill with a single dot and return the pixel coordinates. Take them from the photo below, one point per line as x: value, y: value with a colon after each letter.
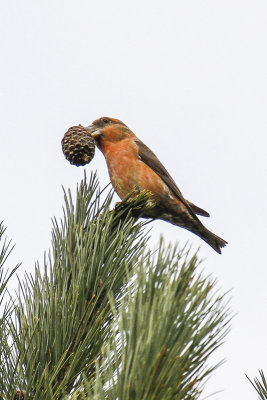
x: 133, y: 167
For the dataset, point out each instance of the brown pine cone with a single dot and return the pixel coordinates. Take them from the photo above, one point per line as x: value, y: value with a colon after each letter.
x: 78, y: 145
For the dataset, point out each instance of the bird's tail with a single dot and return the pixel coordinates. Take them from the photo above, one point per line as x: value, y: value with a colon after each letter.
x: 213, y: 240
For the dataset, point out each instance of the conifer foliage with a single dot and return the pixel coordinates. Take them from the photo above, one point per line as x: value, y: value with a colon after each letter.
x: 105, y: 317
x: 260, y: 385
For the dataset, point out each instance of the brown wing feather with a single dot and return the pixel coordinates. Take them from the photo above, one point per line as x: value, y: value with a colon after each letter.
x: 148, y: 157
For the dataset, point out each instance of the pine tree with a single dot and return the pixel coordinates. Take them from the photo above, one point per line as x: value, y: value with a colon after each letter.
x: 105, y: 317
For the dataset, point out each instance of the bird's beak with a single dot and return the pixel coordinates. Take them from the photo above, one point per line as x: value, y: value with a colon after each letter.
x: 95, y: 132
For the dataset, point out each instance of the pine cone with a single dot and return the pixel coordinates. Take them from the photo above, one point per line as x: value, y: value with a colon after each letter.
x: 78, y: 145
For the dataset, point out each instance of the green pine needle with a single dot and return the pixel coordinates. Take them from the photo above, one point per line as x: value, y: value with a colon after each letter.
x: 168, y: 323
x: 106, y: 318
x: 260, y: 385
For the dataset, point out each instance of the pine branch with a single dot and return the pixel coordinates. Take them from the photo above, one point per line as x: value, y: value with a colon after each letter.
x: 6, y: 307
x: 5, y: 251
x: 106, y: 318
x: 63, y: 316
x: 170, y: 320
x: 260, y: 385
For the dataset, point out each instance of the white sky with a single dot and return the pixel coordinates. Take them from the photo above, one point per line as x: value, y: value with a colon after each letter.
x: 190, y: 79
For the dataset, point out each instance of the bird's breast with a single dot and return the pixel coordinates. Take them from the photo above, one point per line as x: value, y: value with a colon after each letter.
x: 127, y: 172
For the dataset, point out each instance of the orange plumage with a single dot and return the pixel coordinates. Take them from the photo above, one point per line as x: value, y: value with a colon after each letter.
x: 133, y: 166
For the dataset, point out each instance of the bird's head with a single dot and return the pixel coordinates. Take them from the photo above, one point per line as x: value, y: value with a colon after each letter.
x: 107, y: 129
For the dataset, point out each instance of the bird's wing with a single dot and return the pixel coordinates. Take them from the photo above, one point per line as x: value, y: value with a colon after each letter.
x: 149, y: 158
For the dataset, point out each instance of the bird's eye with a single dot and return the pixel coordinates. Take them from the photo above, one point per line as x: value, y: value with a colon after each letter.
x: 105, y: 120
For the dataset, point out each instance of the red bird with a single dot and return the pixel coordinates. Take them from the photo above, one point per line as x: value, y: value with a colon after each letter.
x: 133, y: 166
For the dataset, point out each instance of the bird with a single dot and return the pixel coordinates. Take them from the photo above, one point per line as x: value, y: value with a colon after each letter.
x: 134, y: 168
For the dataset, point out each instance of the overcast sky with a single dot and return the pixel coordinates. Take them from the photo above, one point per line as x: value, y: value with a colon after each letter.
x: 190, y: 79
